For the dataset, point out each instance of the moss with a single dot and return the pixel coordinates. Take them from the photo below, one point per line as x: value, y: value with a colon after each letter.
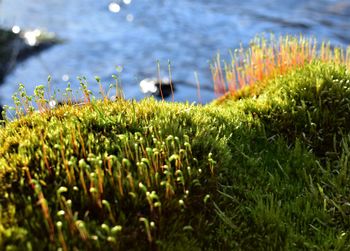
x: 263, y: 172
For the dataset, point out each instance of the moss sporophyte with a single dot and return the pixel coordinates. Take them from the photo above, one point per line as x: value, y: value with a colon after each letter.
x: 264, y: 167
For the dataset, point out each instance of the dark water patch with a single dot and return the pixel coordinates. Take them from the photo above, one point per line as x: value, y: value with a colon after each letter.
x: 15, y: 48
x: 282, y: 22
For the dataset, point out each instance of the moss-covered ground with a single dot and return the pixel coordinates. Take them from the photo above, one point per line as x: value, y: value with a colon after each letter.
x: 268, y: 171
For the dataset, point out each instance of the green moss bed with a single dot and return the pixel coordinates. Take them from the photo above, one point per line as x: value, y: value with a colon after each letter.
x: 263, y: 172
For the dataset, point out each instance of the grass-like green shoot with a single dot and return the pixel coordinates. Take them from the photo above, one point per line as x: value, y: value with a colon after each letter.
x: 266, y: 58
x: 266, y: 172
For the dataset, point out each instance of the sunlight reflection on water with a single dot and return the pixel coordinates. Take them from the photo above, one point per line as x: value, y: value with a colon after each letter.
x: 100, y: 35
x: 16, y: 29
x: 114, y: 7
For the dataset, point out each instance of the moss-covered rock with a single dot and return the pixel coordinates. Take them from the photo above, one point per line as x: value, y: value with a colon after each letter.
x: 268, y: 172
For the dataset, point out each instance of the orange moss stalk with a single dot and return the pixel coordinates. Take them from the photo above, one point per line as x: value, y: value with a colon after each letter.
x: 42, y: 202
x: 266, y: 58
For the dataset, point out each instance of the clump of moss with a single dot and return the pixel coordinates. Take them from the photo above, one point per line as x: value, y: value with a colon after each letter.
x: 289, y: 188
x: 266, y: 58
x: 310, y: 103
x: 267, y: 171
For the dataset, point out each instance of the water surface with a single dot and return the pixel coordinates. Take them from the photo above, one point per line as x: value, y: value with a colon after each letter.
x: 187, y: 32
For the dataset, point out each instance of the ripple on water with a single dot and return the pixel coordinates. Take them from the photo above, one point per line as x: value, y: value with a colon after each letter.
x: 135, y: 34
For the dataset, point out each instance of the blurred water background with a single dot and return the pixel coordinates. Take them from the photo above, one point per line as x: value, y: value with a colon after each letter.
x: 133, y: 34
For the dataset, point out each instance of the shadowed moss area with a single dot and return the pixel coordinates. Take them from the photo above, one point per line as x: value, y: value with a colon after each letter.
x: 268, y: 172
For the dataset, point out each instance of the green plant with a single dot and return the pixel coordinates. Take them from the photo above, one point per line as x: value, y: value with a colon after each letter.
x: 267, y: 58
x: 264, y: 172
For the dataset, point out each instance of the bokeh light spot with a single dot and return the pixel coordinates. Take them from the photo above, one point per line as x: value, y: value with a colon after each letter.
x: 65, y: 77
x: 16, y: 29
x: 114, y: 7
x: 129, y: 18
x: 30, y: 38
x: 52, y: 103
